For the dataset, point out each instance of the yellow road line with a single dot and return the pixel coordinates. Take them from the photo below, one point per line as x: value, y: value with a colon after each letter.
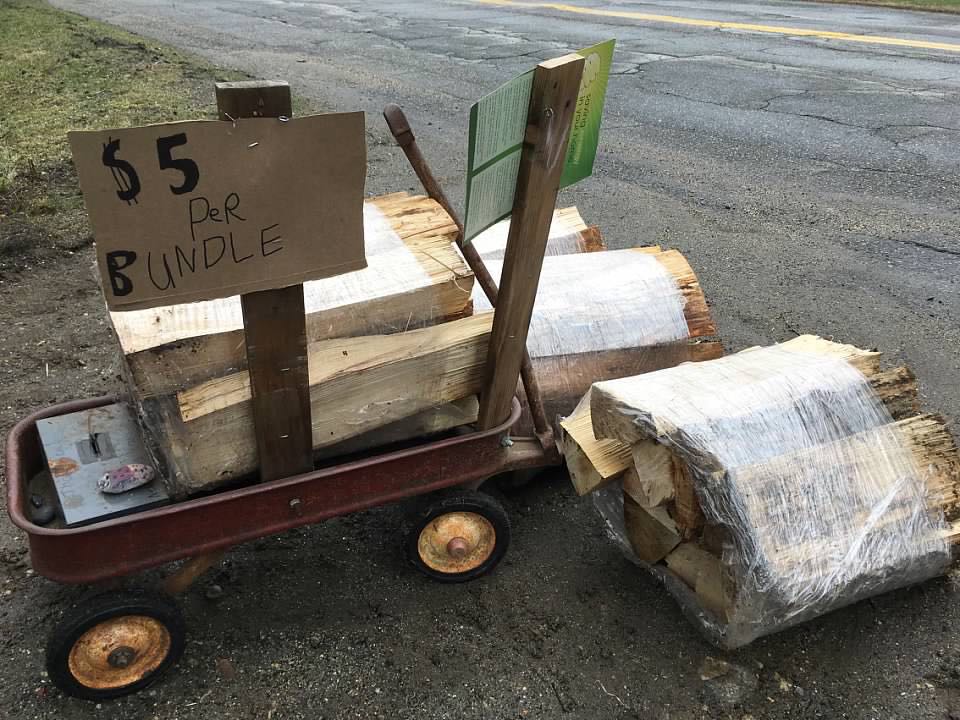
x: 715, y: 24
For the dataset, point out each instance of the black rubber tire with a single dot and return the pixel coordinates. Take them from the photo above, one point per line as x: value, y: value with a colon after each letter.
x: 103, y: 607
x: 456, y: 500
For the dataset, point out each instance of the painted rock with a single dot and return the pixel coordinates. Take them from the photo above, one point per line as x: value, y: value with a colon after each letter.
x: 125, y: 477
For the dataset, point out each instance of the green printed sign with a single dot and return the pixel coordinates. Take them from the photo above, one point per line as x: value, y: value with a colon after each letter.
x: 498, y: 122
x: 585, y: 129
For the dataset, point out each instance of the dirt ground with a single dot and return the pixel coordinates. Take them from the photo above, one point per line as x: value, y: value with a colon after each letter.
x: 330, y: 622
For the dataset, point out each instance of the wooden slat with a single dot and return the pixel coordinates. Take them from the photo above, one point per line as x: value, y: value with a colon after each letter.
x: 274, y: 324
x: 276, y: 342
x: 552, y: 104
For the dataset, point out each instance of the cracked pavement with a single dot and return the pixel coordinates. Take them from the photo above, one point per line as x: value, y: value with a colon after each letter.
x: 814, y: 186
x: 805, y: 178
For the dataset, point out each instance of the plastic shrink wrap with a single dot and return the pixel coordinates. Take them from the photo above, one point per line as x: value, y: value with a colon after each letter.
x: 395, y: 351
x: 603, y: 315
x: 775, y: 485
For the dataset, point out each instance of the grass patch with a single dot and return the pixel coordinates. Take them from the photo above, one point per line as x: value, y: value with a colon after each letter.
x: 60, y: 72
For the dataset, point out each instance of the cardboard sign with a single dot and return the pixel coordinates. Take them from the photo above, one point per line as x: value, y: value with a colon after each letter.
x: 207, y: 209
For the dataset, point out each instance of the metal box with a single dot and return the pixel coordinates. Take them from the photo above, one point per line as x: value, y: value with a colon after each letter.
x: 81, y: 447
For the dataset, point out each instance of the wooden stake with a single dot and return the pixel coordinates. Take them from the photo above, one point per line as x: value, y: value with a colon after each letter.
x: 553, y: 100
x: 274, y: 326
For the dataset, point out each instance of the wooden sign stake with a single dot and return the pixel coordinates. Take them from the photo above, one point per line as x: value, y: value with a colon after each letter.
x: 274, y: 326
x: 553, y: 100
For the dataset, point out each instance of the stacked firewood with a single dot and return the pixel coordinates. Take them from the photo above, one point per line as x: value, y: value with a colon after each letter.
x: 395, y: 351
x: 775, y: 484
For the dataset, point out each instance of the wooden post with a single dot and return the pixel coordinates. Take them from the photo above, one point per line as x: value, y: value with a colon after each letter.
x: 553, y: 100
x: 274, y: 326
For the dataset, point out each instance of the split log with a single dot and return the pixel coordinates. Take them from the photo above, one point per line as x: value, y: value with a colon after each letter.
x: 705, y: 575
x: 684, y: 506
x: 415, y: 277
x: 594, y: 463
x: 611, y: 423
x: 649, y: 480
x: 566, y: 280
x: 695, y: 308
x: 927, y: 442
x: 568, y: 235
x: 896, y: 388
x: 425, y: 425
x: 564, y: 379
x: 584, y: 332
x: 357, y: 385
x: 652, y: 532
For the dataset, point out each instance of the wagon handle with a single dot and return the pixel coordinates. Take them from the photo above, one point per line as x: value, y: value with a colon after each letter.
x: 403, y: 134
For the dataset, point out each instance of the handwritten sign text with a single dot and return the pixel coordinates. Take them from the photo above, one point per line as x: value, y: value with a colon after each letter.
x: 205, y: 209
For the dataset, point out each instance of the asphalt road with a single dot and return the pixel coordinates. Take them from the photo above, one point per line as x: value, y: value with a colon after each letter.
x: 811, y: 179
x: 812, y: 182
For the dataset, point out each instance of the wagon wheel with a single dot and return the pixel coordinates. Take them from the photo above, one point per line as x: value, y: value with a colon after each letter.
x: 115, y: 644
x: 458, y: 535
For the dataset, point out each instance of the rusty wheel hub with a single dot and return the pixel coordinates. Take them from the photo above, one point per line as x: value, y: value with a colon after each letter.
x: 119, y: 651
x: 456, y: 542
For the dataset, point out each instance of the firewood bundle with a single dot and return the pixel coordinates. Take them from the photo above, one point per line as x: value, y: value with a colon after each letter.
x: 612, y: 314
x: 397, y: 351
x: 774, y: 485
x: 405, y: 321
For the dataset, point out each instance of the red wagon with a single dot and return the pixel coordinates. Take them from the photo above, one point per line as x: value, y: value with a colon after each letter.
x: 121, y: 641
